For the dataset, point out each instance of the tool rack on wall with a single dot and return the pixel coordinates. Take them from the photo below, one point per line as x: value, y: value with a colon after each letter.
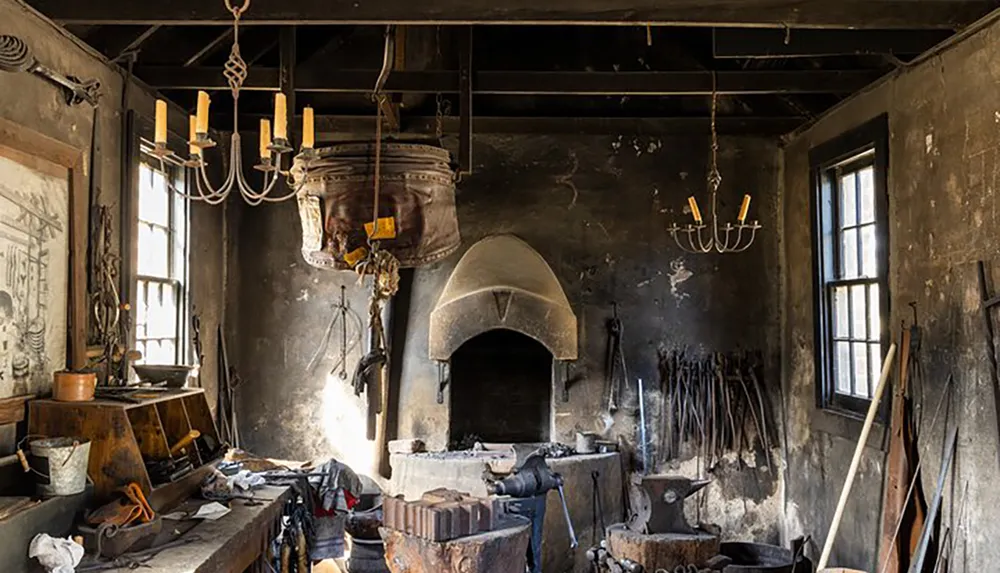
x: 124, y: 436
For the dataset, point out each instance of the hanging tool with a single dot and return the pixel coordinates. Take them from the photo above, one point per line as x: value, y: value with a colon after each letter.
x: 616, y: 372
x: 713, y: 405
x: 528, y: 486
x: 16, y: 56
x: 341, y: 313
x: 598, y: 506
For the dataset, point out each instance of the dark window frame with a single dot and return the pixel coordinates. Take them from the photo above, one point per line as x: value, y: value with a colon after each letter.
x: 845, y: 152
x: 179, y: 180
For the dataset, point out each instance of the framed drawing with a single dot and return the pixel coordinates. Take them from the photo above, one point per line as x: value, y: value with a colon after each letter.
x: 43, y: 250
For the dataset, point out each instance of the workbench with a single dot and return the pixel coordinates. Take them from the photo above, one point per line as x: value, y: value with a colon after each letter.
x: 231, y: 544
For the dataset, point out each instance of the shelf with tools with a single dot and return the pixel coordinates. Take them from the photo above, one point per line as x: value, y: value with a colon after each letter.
x: 164, y: 440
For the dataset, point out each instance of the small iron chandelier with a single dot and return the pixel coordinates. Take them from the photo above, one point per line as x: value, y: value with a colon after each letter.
x: 731, y: 238
x: 273, y: 146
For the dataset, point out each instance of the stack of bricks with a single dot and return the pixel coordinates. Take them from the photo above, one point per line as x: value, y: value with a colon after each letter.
x: 439, y: 515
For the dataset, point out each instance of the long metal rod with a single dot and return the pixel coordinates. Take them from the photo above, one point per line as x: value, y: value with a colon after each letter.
x: 925, y: 535
x: 569, y: 522
x: 644, y: 445
x: 856, y: 461
x: 916, y: 473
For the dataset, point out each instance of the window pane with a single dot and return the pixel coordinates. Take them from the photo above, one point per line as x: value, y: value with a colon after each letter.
x: 861, y: 369
x: 869, y: 259
x: 153, y: 251
x: 867, y: 178
x: 848, y: 201
x: 859, y: 313
x: 141, y: 313
x: 180, y: 219
x: 874, y: 314
x: 153, y: 199
x: 842, y: 367
x: 841, y: 313
x: 875, y: 359
x: 168, y: 353
x: 849, y: 254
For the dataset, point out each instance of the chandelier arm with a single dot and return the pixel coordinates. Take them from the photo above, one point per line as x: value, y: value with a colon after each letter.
x: 725, y: 247
x: 706, y: 247
x: 219, y: 194
x: 739, y: 247
x: 753, y: 235
x: 211, y: 199
x: 183, y: 194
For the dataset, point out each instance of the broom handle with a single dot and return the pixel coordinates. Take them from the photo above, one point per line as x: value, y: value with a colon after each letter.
x: 856, y: 461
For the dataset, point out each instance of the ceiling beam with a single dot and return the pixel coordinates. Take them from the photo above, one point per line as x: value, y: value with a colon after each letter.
x: 947, y: 14
x: 331, y: 128
x: 524, y: 83
x: 208, y: 49
x: 775, y: 43
x: 133, y: 46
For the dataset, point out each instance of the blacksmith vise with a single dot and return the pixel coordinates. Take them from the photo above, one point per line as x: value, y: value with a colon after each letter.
x: 658, y: 503
x: 527, y: 487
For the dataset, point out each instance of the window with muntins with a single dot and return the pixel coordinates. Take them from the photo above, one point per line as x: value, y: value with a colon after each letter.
x: 851, y: 262
x: 162, y: 266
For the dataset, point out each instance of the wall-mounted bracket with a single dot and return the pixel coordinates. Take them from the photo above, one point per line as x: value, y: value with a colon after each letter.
x: 562, y: 377
x: 444, y: 376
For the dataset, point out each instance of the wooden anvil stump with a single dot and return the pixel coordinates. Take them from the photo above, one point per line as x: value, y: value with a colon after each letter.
x: 502, y: 550
x: 662, y: 550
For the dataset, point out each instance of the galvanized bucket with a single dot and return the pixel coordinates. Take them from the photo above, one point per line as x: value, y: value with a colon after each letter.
x: 416, y: 189
x: 60, y: 465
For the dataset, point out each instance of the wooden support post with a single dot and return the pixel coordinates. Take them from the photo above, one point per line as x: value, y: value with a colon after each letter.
x: 465, y: 101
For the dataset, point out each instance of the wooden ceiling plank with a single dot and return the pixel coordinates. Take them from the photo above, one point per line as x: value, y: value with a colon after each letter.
x: 872, y: 14
x: 321, y: 80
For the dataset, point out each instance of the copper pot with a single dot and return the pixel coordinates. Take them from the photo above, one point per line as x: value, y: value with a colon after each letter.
x: 74, y: 386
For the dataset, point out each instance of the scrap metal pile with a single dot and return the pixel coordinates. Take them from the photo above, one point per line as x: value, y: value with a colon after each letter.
x: 712, y: 406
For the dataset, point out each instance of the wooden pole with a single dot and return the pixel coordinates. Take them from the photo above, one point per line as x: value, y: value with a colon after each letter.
x: 862, y: 440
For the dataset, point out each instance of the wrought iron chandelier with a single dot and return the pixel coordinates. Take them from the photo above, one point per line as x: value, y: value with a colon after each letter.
x: 273, y: 146
x: 731, y: 238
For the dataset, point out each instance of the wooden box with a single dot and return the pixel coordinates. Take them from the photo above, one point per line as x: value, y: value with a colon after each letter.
x: 125, y: 435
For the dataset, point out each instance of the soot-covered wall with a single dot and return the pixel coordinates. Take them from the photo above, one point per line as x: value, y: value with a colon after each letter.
x: 944, y: 161
x: 597, y: 209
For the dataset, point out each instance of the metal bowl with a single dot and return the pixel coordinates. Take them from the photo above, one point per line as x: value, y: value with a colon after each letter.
x: 174, y: 376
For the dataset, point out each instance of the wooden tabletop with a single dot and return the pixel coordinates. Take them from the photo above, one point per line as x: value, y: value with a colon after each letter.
x: 228, y: 545
x: 161, y: 396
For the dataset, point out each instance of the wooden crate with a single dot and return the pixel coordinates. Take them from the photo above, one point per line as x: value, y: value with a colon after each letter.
x: 123, y: 436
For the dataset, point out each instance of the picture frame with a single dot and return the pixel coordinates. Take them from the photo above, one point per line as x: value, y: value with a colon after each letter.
x: 52, y: 157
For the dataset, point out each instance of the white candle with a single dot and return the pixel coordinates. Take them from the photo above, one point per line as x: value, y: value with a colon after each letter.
x: 280, y: 116
x: 160, y: 135
x: 265, y: 139
x: 203, y: 102
x: 308, y: 128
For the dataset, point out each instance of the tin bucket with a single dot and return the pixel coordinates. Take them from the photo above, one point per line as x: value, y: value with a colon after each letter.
x: 60, y: 465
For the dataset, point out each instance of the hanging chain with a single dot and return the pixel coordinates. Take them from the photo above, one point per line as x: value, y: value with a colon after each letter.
x: 439, y: 117
x: 714, y: 177
x: 236, y: 68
